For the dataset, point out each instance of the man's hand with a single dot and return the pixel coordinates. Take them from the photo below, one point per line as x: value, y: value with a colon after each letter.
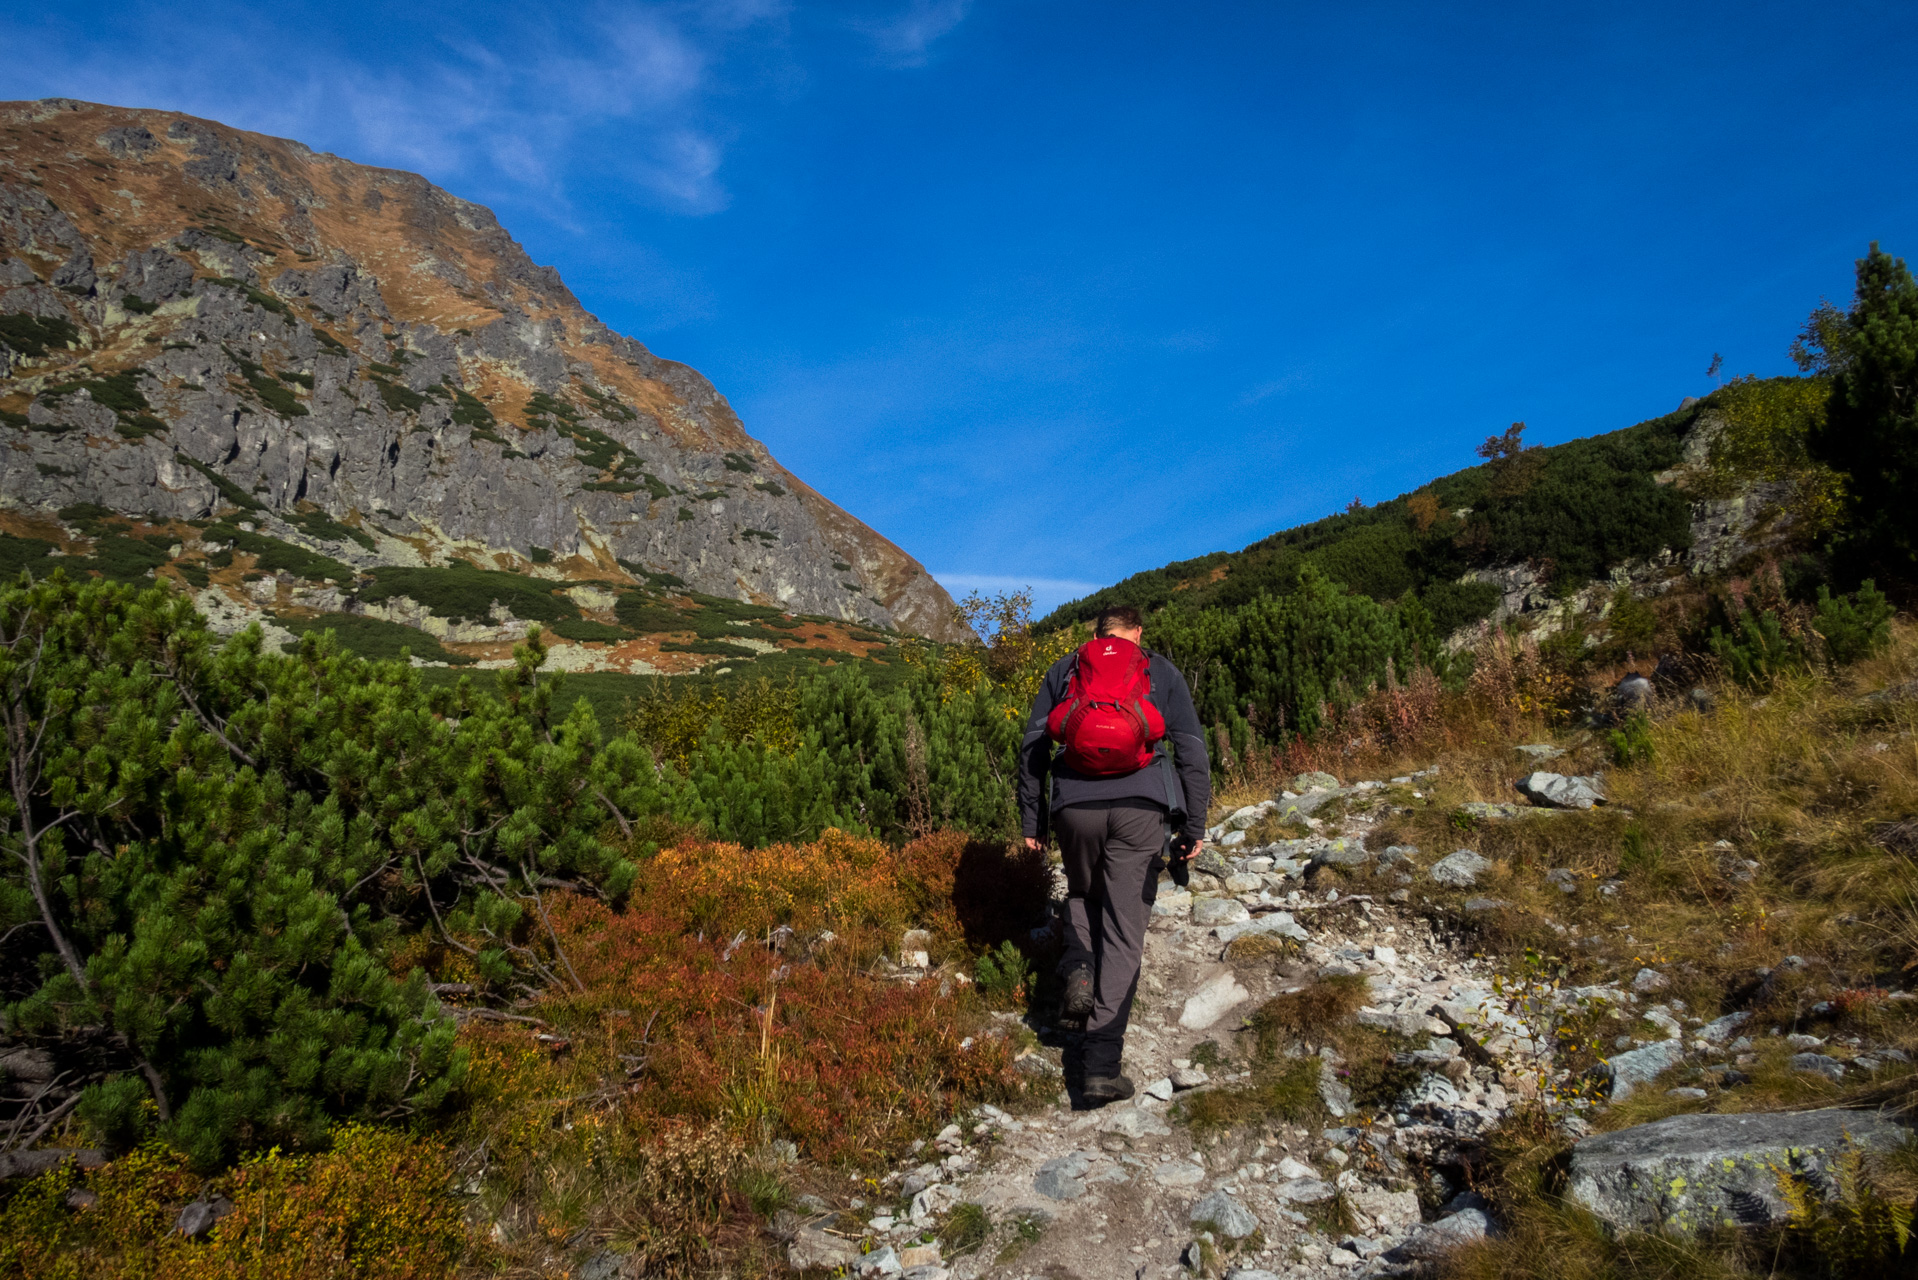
x: 1035, y: 844
x: 1193, y: 852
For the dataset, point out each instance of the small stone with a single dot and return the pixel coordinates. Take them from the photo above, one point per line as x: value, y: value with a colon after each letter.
x: 1189, y: 1077
x: 925, y: 1255
x: 881, y: 1262
x: 1687, y: 1092
x: 1290, y: 1169
x: 1160, y: 1089
x: 1385, y: 955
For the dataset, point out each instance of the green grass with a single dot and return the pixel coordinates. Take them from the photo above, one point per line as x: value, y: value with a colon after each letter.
x: 274, y: 555
x: 398, y: 399
x: 707, y: 646
x: 318, y: 524
x: 375, y: 637
x: 463, y: 591
x: 24, y: 553
x: 965, y: 1229
x: 33, y: 335
x: 585, y: 629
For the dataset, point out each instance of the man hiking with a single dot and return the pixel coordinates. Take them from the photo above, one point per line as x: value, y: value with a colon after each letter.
x: 1118, y: 802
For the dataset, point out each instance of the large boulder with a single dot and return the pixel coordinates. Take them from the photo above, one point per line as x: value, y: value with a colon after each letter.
x: 1697, y: 1172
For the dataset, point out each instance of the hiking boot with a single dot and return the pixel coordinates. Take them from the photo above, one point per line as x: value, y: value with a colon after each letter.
x: 1100, y: 1090
x: 1077, y: 1002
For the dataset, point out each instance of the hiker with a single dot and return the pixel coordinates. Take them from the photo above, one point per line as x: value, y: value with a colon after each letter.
x: 1121, y: 808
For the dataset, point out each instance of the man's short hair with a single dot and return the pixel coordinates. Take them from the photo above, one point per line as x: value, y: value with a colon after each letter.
x: 1118, y: 617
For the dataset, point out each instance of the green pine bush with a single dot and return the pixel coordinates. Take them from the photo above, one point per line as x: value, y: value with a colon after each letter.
x: 1854, y: 626
x: 1758, y: 650
x: 218, y: 850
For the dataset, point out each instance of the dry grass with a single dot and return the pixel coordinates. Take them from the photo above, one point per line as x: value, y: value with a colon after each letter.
x: 1817, y: 785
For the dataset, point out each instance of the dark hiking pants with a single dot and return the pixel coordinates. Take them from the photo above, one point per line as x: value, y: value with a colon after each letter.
x: 1110, y: 848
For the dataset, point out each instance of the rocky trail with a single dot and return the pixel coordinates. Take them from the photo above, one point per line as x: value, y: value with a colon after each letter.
x: 1126, y: 1190
x: 1135, y: 1190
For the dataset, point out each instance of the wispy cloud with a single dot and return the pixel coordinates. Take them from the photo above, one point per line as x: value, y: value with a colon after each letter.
x: 522, y: 103
x: 905, y: 37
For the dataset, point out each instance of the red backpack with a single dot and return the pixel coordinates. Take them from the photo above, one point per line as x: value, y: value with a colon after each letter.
x: 1105, y: 720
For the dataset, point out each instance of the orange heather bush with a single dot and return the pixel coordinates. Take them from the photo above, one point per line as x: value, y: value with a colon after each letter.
x: 848, y: 1066
x: 837, y: 882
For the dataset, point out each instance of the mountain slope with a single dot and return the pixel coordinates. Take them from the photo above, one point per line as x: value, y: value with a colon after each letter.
x: 228, y: 345
x: 1530, y: 526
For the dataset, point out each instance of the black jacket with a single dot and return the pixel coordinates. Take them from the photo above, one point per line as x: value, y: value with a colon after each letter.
x: 1173, y: 698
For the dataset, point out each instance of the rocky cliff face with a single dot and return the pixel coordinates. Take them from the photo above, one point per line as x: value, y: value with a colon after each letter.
x: 217, y: 330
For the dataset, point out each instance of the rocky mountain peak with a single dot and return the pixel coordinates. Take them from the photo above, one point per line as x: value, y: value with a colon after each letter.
x: 214, y: 331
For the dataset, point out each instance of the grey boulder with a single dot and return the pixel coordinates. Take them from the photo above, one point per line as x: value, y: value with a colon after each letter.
x: 1062, y: 1178
x: 1280, y: 923
x: 1208, y: 911
x: 1460, y: 870
x: 1225, y: 1213
x: 1557, y: 791
x: 1436, y: 1238
x: 1697, y: 1172
x: 1627, y: 1071
x: 1826, y: 1066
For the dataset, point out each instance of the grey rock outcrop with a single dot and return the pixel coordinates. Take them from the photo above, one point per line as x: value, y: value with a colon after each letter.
x: 370, y: 368
x: 1697, y: 1172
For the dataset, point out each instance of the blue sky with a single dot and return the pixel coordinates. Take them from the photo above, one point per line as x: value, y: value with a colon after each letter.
x: 1052, y: 292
